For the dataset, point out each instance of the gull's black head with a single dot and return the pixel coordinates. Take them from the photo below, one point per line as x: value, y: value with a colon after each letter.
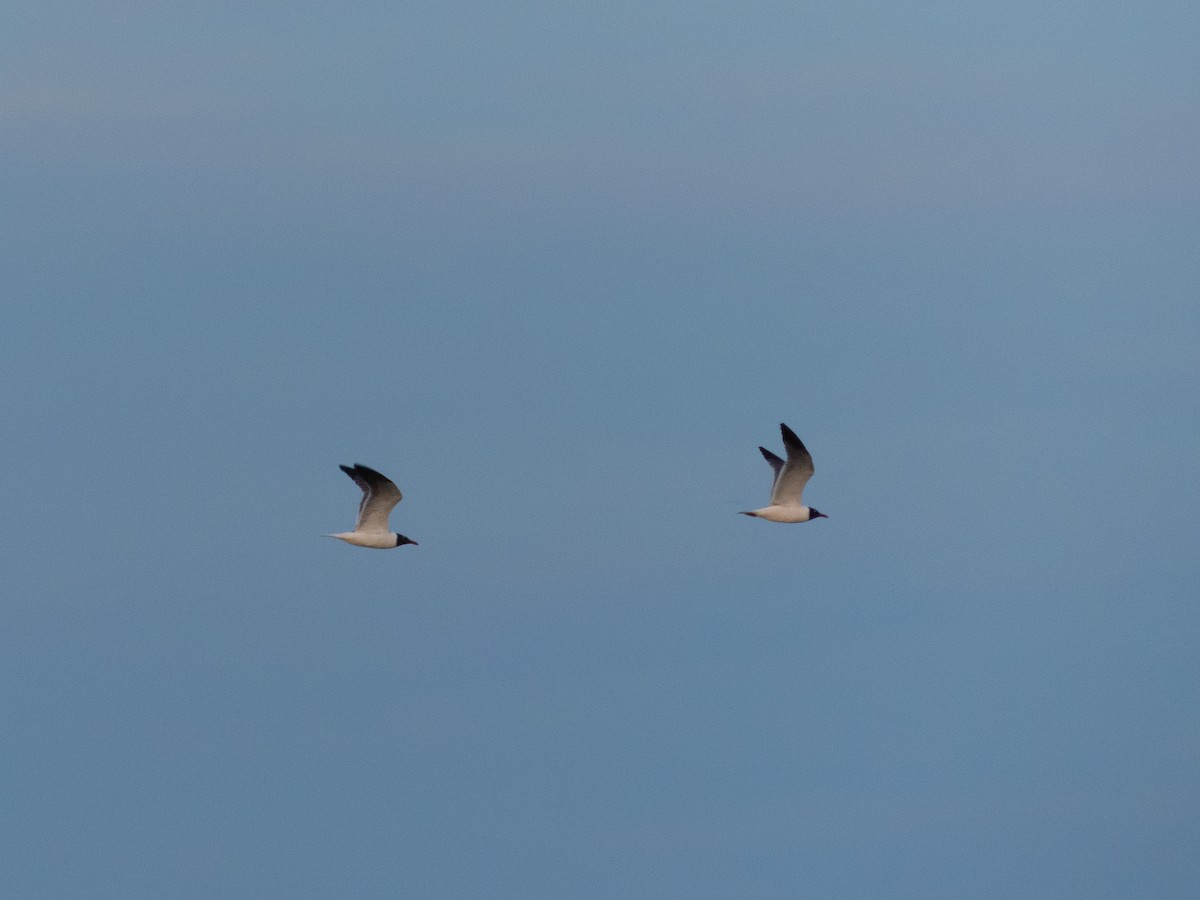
x: 813, y: 514
x: 401, y: 540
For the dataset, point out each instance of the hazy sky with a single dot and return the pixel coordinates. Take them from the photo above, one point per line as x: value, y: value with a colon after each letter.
x: 558, y: 269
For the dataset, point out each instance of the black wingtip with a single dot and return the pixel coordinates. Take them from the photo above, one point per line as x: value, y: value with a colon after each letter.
x: 790, y: 438
x: 770, y: 457
x: 358, y: 472
x: 362, y: 471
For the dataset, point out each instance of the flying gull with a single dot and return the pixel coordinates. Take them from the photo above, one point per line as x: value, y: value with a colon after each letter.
x: 790, y: 479
x: 380, y: 495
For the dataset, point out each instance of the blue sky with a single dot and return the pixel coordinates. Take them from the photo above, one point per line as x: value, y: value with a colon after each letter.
x: 558, y: 270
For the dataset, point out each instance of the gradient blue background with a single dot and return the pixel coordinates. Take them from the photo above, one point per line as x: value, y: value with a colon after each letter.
x: 558, y: 269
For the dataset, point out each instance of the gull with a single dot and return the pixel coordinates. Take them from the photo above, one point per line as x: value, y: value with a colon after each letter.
x: 380, y: 495
x: 790, y: 479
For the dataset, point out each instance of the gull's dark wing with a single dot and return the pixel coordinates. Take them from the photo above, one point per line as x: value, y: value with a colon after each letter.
x: 790, y: 482
x: 380, y: 496
x: 776, y: 464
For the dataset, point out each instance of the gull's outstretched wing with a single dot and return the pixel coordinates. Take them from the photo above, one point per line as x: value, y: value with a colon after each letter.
x: 776, y: 464
x: 791, y: 479
x: 380, y: 496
